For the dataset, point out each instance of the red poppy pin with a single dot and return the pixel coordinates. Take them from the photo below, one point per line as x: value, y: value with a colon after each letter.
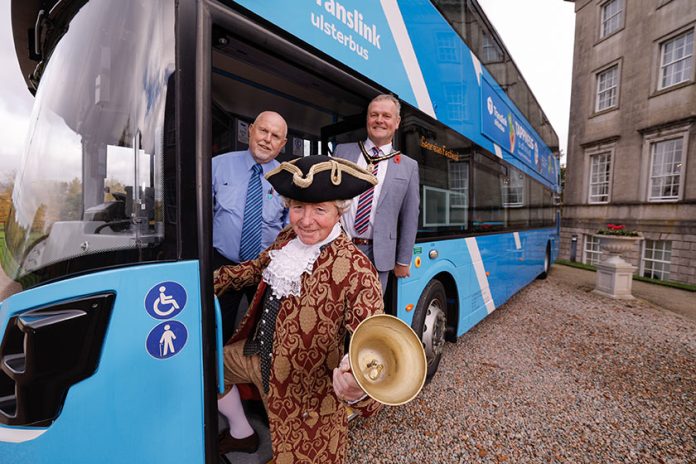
x: 397, y: 159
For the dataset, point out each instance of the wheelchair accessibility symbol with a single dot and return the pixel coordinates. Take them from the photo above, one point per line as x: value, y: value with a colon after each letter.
x: 166, y: 339
x: 165, y: 300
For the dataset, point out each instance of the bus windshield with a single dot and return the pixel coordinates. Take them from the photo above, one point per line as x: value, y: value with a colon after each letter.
x: 91, y: 179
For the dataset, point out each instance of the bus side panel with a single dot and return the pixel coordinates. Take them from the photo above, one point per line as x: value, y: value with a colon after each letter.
x: 144, y: 402
x: 515, y: 260
x: 455, y: 259
x: 460, y: 101
x: 488, y: 270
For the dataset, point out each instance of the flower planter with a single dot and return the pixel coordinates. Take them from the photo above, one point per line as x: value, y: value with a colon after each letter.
x: 615, y: 245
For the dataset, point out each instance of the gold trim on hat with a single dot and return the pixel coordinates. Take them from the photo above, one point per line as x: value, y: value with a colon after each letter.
x: 337, y: 166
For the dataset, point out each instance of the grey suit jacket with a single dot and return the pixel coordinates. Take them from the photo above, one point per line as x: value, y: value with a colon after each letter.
x: 396, y: 215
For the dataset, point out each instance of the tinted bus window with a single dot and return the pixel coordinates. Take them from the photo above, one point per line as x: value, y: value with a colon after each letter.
x: 444, y: 159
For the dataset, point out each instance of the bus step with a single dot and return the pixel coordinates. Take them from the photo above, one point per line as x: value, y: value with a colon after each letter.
x: 8, y: 405
x: 14, y: 364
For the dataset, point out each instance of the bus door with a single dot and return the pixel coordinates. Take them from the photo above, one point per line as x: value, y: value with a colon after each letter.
x: 253, y: 70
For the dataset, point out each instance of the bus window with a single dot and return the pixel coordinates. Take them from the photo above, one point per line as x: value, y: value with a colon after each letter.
x: 91, y: 182
x: 488, y: 212
x: 444, y: 166
x: 515, y: 191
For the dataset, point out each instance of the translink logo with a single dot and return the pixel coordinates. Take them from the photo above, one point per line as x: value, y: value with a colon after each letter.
x: 353, y: 20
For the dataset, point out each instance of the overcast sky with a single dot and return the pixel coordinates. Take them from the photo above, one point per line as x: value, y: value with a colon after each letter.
x: 15, y: 99
x: 538, y: 34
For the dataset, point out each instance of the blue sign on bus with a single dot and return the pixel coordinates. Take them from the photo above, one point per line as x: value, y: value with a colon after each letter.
x: 165, y: 300
x: 500, y: 124
x: 166, y: 339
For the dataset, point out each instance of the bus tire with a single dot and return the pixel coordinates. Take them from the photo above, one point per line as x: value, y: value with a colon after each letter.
x: 430, y: 323
x: 547, y: 264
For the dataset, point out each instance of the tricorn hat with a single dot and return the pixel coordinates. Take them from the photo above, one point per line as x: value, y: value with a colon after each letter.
x: 319, y: 178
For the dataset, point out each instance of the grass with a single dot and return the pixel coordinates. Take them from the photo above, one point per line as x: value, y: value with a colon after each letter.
x: 664, y: 283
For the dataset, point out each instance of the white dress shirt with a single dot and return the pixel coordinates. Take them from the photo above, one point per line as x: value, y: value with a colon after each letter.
x: 349, y: 216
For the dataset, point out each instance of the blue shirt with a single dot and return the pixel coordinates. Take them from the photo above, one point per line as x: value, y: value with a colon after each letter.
x: 231, y: 173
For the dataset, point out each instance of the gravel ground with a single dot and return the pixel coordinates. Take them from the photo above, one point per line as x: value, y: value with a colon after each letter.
x: 556, y: 375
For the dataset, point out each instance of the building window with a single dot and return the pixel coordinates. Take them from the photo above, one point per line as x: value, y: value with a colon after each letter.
x: 513, y: 189
x: 447, y: 50
x: 459, y: 184
x: 677, y: 60
x: 607, y: 88
x: 657, y: 255
x: 600, y: 171
x: 456, y: 103
x: 665, y: 169
x: 591, y: 251
x: 612, y: 17
x: 490, y: 52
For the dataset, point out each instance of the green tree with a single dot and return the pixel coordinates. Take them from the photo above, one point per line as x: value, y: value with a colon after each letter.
x: 71, y: 208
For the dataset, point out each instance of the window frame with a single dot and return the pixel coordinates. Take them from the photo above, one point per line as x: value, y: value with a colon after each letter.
x: 517, y: 188
x: 661, y: 56
x: 644, y: 260
x: 490, y: 50
x: 453, y: 181
x: 609, y: 149
x: 447, y: 49
x: 603, y: 20
x: 649, y: 140
x: 591, y: 196
x: 615, y: 66
x: 590, y: 239
x: 651, y: 177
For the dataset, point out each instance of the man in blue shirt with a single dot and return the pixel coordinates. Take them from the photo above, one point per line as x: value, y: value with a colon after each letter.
x: 233, y: 176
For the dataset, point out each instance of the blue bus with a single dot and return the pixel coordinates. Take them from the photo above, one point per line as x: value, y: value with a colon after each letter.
x: 110, y: 338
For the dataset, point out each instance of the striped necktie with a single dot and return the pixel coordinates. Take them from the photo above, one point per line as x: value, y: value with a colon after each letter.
x: 362, y: 215
x: 250, y: 245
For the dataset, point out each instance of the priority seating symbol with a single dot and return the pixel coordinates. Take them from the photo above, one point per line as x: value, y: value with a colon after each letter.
x: 166, y: 339
x: 165, y: 300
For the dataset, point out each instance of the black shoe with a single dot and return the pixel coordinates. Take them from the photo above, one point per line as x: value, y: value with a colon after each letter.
x: 227, y: 443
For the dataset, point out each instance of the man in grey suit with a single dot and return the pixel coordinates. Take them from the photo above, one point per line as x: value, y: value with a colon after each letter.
x: 383, y: 222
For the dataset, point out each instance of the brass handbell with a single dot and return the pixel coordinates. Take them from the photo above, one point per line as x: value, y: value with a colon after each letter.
x: 387, y: 359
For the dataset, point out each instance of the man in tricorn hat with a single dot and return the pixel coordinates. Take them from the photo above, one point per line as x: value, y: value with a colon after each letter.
x: 314, y: 287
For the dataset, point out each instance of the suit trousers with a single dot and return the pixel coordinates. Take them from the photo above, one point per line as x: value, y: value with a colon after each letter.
x: 383, y: 275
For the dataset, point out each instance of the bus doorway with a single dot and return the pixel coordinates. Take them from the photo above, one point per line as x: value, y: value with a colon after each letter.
x: 245, y: 80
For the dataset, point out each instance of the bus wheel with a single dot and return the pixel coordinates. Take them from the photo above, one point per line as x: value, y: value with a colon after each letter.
x: 547, y: 264
x: 430, y: 323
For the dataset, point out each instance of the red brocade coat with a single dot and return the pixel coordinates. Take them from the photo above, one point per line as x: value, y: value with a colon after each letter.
x: 308, y: 422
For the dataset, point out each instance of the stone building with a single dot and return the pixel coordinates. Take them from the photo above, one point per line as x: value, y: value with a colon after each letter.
x: 632, y: 136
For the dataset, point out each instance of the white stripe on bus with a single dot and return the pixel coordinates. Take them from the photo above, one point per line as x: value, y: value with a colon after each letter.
x: 518, y: 244
x: 477, y: 67
x: 480, y: 274
x: 408, y: 56
x: 19, y: 435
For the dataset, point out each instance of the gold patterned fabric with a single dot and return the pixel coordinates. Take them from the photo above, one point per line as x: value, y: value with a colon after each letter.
x: 307, y: 421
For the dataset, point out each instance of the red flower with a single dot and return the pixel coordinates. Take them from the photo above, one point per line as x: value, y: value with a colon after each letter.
x: 397, y: 159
